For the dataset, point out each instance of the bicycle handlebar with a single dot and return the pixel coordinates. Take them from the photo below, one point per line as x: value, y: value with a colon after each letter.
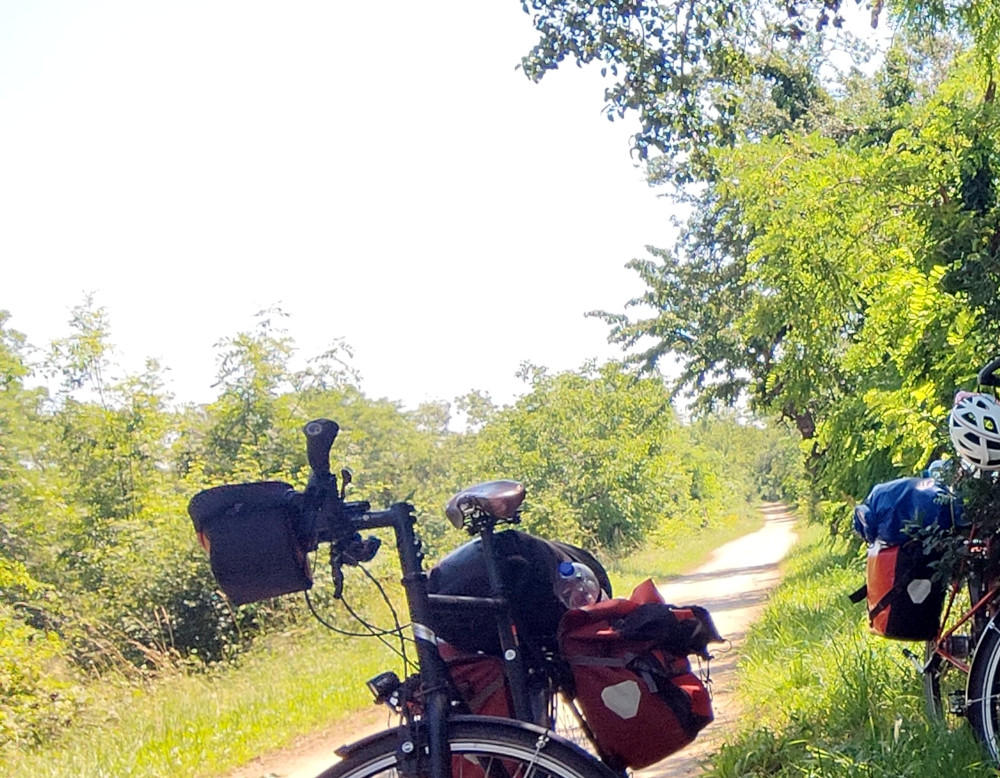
x: 320, y: 435
x: 325, y: 516
x: 988, y: 375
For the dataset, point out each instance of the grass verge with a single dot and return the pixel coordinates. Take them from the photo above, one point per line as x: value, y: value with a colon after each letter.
x: 204, y: 725
x: 829, y: 699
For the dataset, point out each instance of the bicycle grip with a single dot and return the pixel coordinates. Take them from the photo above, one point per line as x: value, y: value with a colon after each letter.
x: 320, y: 434
x: 987, y: 376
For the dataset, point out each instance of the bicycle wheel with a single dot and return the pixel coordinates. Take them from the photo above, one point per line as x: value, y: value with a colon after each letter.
x: 984, y: 691
x: 480, y: 749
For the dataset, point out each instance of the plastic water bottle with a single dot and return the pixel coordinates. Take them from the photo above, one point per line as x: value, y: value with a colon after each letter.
x: 576, y: 585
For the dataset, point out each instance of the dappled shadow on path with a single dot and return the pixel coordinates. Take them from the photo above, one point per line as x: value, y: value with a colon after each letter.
x: 715, y: 575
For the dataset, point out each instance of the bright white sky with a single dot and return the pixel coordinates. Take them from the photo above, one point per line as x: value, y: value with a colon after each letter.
x: 380, y: 171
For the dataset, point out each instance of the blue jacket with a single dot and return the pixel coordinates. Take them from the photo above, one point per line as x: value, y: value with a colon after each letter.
x: 892, y: 510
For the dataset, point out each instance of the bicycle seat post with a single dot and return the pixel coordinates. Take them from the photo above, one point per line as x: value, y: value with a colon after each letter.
x: 509, y: 648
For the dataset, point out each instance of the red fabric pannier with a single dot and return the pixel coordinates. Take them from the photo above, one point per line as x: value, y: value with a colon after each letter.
x: 480, y: 681
x: 633, y: 681
x: 482, y: 685
x: 904, y: 596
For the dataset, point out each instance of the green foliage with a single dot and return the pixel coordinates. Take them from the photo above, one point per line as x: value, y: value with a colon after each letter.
x: 20, y: 434
x: 36, y: 698
x: 839, y: 268
x: 745, y: 456
x: 597, y: 450
x: 675, y: 79
x: 606, y: 460
x: 979, y: 495
x: 699, y: 76
x: 840, y: 274
x: 976, y: 20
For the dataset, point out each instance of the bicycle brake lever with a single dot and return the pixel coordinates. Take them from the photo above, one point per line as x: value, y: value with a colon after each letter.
x: 338, y: 575
x: 360, y: 550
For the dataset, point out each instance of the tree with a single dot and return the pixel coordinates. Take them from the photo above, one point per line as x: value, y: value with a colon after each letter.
x: 824, y: 297
x: 693, y: 71
x: 20, y: 432
x: 597, y: 451
x: 839, y: 267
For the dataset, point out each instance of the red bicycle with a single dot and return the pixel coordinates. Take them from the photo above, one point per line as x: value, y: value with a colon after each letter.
x: 961, y: 667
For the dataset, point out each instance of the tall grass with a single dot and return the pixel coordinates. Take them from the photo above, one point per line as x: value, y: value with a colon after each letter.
x: 204, y: 725
x: 829, y: 699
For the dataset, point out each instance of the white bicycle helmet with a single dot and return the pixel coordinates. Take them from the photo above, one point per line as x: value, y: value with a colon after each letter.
x: 974, y: 424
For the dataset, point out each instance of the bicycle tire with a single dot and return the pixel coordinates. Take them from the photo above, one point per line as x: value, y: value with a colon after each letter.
x: 983, y: 694
x: 479, y: 742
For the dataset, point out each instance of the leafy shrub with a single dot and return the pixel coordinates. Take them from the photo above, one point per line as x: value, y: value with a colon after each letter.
x: 36, y: 696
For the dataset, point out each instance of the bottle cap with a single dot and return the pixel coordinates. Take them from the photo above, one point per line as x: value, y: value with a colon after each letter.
x: 566, y: 569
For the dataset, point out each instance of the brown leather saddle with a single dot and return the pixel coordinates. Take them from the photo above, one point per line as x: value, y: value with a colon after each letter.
x: 494, y: 499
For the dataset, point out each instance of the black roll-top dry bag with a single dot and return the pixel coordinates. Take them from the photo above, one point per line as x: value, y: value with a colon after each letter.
x: 528, y: 567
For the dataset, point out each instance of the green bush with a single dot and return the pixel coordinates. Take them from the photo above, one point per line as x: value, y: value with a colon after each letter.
x: 37, y: 695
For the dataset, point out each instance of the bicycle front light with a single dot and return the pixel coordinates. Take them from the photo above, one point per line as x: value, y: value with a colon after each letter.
x: 384, y: 685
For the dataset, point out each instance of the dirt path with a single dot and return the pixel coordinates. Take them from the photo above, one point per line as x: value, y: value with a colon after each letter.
x: 733, y: 585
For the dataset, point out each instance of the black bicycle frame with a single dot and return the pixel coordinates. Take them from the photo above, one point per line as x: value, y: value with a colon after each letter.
x: 401, y: 520
x: 344, y: 520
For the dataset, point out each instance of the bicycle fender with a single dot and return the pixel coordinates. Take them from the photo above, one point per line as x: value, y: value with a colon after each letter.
x: 346, y: 750
x: 993, y: 625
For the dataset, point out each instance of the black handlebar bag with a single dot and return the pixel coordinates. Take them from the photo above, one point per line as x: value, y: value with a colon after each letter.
x: 253, y: 541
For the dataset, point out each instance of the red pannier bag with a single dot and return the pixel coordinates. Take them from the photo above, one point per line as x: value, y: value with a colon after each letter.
x: 904, y: 596
x: 479, y: 680
x: 632, y: 678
